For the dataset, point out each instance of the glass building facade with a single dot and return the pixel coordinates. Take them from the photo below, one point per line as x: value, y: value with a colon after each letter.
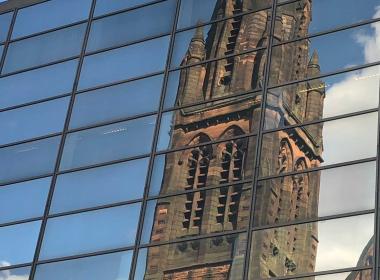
x: 189, y: 139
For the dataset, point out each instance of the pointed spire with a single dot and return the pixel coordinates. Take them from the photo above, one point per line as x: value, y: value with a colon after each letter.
x: 198, y: 35
x: 314, y: 60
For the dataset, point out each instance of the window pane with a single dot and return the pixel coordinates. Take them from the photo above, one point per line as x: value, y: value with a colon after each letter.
x: 33, y: 121
x: 28, y: 160
x: 5, y: 21
x: 30, y: 195
x: 316, y: 194
x: 212, y: 258
x: 108, y: 6
x: 16, y: 274
x: 148, y: 21
x: 18, y: 243
x: 107, y: 143
x: 124, y: 63
x: 111, y: 267
x: 44, y: 48
x: 312, y: 247
x: 100, y: 186
x: 48, y: 15
x: 117, y: 102
x: 37, y: 84
x: 90, y: 231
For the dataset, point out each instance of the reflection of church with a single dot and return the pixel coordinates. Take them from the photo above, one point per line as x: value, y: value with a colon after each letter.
x: 281, y: 251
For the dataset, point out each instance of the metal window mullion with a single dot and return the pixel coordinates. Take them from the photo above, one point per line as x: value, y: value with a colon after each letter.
x: 7, y: 40
x: 376, y: 244
x: 61, y: 145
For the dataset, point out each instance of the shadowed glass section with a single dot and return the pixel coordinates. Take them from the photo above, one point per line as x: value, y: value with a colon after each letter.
x: 93, y: 231
x: 109, y: 6
x: 221, y: 257
x: 37, y: 84
x: 124, y: 63
x: 100, y: 186
x: 117, y: 102
x: 132, y: 26
x: 110, y: 266
x: 106, y: 143
x: 48, y: 15
x: 5, y: 21
x: 23, y: 200
x: 18, y: 243
x: 16, y: 273
x: 43, y: 49
x: 326, y: 245
x: 33, y: 121
x: 28, y: 160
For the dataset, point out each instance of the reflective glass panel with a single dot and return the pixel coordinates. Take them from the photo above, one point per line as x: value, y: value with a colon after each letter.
x: 197, y: 213
x: 48, y: 15
x: 37, y: 84
x: 316, y: 194
x: 323, y: 54
x: 28, y: 160
x: 132, y: 26
x: 194, y: 168
x: 319, y: 144
x: 16, y: 274
x: 304, y: 248
x: 117, y: 102
x: 33, y: 121
x: 18, y: 243
x: 44, y: 48
x: 99, y: 186
x: 212, y: 258
x: 98, y: 230
x: 5, y: 21
x: 124, y: 63
x: 107, y: 143
x: 325, y: 97
x: 111, y: 267
x: 23, y: 200
x: 325, y: 14
x: 354, y: 275
x: 108, y: 6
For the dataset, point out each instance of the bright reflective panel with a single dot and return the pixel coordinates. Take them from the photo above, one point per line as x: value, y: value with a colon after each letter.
x: 108, y: 6
x: 37, y: 84
x: 100, y: 186
x: 304, y: 248
x: 86, y: 232
x: 354, y: 275
x: 212, y: 258
x: 28, y: 160
x: 117, y: 102
x: 111, y: 267
x: 48, y: 15
x: 124, y: 63
x: 132, y: 26
x: 5, y: 21
x: 18, y: 243
x: 107, y: 143
x: 46, y: 48
x: 33, y: 121
x: 15, y: 274
x: 23, y: 200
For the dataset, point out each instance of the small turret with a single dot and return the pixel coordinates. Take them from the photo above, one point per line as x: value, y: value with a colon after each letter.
x: 196, y: 51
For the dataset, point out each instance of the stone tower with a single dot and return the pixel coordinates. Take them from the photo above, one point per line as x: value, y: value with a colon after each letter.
x: 228, y: 208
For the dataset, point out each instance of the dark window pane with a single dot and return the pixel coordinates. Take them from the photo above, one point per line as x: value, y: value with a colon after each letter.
x: 108, y: 6
x: 99, y: 186
x: 37, y: 84
x: 5, y: 21
x: 312, y: 247
x: 44, y: 48
x: 90, y: 231
x: 107, y: 143
x: 28, y: 160
x: 219, y: 257
x: 48, y: 15
x: 18, y: 243
x: 16, y: 274
x: 124, y: 63
x: 131, y: 26
x: 117, y: 102
x: 23, y: 200
x: 111, y: 267
x: 33, y: 121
